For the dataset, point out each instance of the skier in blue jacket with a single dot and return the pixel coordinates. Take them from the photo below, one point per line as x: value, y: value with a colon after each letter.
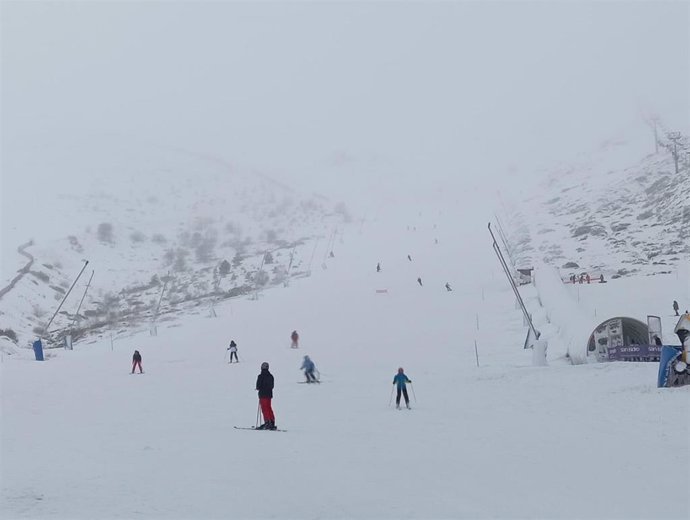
x: 401, y: 379
x: 309, y: 367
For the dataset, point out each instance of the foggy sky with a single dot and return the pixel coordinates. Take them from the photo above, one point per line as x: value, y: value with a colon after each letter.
x: 443, y: 89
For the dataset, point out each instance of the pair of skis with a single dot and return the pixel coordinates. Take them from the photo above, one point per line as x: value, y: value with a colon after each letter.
x: 258, y: 429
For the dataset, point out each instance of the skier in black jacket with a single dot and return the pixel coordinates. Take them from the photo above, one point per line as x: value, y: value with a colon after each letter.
x: 264, y: 385
x: 136, y: 362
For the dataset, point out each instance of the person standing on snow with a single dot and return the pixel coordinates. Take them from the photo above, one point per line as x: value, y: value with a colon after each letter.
x: 308, y: 366
x: 264, y: 385
x: 448, y: 288
x: 233, y: 351
x: 378, y: 267
x: 401, y: 379
x: 675, y: 307
x: 136, y: 362
x: 419, y: 281
x: 295, y: 339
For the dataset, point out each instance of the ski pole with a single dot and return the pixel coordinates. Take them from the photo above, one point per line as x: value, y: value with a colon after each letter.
x: 391, y: 398
x: 258, y: 411
x: 225, y: 356
x: 413, y: 395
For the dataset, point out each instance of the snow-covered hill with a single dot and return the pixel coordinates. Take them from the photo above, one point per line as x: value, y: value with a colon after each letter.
x: 156, y: 225
x: 609, y: 214
x: 614, y: 212
x: 488, y: 436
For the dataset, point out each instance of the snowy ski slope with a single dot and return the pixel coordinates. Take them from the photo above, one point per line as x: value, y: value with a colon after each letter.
x: 82, y: 438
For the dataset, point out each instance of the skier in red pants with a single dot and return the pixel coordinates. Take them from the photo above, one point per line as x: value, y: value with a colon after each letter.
x: 136, y: 361
x: 264, y: 385
x: 295, y: 339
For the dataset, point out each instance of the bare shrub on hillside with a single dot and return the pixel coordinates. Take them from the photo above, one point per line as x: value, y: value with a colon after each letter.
x: 105, y: 232
x: 137, y: 237
x: 204, y: 250
x: 41, y: 276
x: 169, y: 257
x: 341, y: 209
x: 158, y: 238
x: 261, y: 278
x: 224, y: 268
x: 232, y: 228
x: 9, y: 333
x: 74, y: 244
x: 180, y: 263
x: 38, y: 312
x: 110, y: 306
x: 239, y: 291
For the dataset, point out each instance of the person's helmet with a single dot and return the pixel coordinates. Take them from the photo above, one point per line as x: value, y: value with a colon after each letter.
x: 400, y: 370
x: 264, y: 365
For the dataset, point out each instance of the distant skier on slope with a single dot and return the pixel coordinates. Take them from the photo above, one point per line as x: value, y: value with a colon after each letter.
x: 308, y: 366
x: 419, y: 281
x: 378, y: 267
x: 233, y: 351
x: 136, y: 362
x: 295, y: 339
x: 401, y: 379
x: 675, y: 307
x: 264, y: 385
x: 448, y: 287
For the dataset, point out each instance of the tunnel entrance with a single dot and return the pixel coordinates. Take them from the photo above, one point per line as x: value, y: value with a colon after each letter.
x: 612, y: 337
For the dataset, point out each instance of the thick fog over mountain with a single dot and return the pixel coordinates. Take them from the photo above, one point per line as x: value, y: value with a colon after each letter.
x: 335, y: 95
x: 181, y: 177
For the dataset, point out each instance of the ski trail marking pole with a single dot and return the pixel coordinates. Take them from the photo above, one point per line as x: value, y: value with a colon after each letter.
x: 391, y: 398
x: 258, y: 410
x: 475, y: 352
x: 413, y: 394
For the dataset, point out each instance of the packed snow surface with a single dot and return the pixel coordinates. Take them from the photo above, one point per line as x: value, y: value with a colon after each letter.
x: 82, y: 438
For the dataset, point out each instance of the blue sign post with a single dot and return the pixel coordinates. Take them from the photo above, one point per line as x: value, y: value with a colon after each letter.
x: 38, y: 350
